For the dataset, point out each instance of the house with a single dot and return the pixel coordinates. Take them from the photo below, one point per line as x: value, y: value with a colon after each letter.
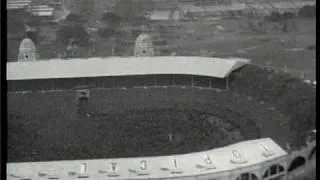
x: 166, y: 14
x: 17, y: 4
x: 54, y: 9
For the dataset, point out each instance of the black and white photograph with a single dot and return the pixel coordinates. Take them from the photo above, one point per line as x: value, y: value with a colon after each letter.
x: 160, y: 90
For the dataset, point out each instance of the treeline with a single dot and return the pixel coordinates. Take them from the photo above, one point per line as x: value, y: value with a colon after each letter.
x: 307, y: 11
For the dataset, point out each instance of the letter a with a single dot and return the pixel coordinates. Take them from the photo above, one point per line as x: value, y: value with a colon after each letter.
x: 175, y: 163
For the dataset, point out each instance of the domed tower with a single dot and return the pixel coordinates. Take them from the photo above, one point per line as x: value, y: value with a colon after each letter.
x: 27, y: 51
x: 143, y: 46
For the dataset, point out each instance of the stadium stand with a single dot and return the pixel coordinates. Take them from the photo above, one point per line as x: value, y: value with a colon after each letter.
x: 131, y: 113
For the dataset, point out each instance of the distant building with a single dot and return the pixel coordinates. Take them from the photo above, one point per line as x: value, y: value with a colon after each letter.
x: 220, y: 7
x: 158, y: 15
x: 41, y: 10
x: 17, y: 4
x: 169, y: 14
x: 143, y: 46
x: 164, y: 4
x: 37, y: 7
x: 206, y: 2
x: 199, y: 7
x: 27, y: 51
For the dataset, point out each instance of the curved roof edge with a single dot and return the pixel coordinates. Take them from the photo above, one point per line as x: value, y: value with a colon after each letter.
x: 122, y: 66
x: 221, y: 160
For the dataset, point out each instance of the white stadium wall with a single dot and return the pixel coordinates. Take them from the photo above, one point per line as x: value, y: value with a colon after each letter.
x: 233, y: 162
x: 261, y: 158
x: 230, y: 162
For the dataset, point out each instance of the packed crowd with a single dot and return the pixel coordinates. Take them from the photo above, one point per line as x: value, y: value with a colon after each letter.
x: 159, y: 121
x: 291, y: 96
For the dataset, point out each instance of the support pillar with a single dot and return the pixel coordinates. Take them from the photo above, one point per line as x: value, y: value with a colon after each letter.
x: 102, y: 83
x: 82, y: 100
x: 155, y: 80
x: 113, y: 82
x: 52, y: 84
x: 227, y: 83
x: 13, y: 86
x: 192, y: 81
x: 173, y: 80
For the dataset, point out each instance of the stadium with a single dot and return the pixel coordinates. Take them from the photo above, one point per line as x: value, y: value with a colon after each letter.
x: 157, y: 118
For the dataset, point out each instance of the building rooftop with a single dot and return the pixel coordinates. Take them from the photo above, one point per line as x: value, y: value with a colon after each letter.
x: 121, y: 66
x: 27, y: 45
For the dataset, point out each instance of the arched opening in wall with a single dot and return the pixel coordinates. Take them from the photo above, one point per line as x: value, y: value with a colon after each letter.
x: 312, y: 154
x: 82, y: 103
x: 273, y: 170
x: 247, y: 176
x: 296, y: 163
x: 20, y: 57
x: 82, y: 98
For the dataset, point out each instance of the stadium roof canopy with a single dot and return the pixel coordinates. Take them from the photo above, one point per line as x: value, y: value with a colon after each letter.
x: 123, y: 66
x: 225, y: 159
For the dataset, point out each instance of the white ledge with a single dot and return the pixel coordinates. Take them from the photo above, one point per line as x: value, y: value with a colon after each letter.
x: 183, y: 165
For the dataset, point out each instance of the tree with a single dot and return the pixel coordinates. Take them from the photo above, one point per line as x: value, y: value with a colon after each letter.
x: 73, y: 28
x: 32, y: 35
x: 189, y: 15
x: 106, y: 32
x: 74, y: 19
x: 139, y: 21
x: 18, y: 15
x: 84, y: 8
x: 143, y: 6
x: 111, y: 19
x: 111, y: 29
x: 125, y: 8
x: 307, y: 11
x: 77, y: 33
x: 17, y: 19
